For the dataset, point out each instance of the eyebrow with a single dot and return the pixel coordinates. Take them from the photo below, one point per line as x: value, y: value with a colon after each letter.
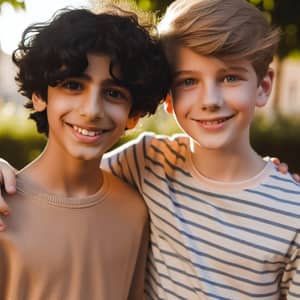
x: 229, y: 68
x: 86, y: 77
x: 178, y: 73
x: 236, y: 68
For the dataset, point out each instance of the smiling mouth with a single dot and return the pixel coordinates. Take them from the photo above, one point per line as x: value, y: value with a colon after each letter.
x: 87, y: 132
x: 216, y: 121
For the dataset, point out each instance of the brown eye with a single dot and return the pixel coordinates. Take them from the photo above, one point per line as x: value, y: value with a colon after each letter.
x: 72, y: 85
x: 115, y: 94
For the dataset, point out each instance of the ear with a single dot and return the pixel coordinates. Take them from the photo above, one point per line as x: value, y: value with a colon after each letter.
x: 131, y: 123
x: 168, y: 106
x: 265, y: 88
x: 38, y: 103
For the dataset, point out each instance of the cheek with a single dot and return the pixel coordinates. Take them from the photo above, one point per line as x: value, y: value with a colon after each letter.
x: 57, y: 109
x: 241, y: 105
x: 119, y: 113
x: 242, y: 100
x: 245, y: 108
x: 183, y: 100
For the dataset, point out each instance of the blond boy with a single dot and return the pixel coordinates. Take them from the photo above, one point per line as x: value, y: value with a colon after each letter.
x: 224, y: 223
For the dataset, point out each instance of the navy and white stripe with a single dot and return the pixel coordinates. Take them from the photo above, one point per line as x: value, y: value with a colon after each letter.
x: 212, y: 243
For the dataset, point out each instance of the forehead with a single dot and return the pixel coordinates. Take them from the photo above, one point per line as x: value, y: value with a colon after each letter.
x: 184, y: 59
x: 98, y: 64
x: 100, y: 68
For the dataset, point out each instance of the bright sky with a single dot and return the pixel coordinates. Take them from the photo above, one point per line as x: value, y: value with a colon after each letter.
x: 13, y: 22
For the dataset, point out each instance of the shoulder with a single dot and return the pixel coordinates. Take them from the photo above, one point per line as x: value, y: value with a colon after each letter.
x: 124, y: 195
x: 24, y: 188
x: 163, y: 144
x: 284, y: 182
x: 281, y: 190
x: 117, y: 185
x: 166, y: 151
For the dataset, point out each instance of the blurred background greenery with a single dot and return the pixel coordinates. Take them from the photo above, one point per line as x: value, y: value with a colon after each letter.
x: 274, y: 135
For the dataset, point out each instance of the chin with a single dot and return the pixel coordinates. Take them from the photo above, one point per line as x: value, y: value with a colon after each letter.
x: 215, y: 145
x: 86, y: 156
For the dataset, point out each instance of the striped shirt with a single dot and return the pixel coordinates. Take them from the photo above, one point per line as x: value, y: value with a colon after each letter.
x: 213, y: 240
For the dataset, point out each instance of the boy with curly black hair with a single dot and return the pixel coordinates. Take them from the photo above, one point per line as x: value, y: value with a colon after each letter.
x: 78, y: 232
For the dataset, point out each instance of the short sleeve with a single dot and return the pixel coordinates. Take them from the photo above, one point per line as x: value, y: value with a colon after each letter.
x: 127, y: 162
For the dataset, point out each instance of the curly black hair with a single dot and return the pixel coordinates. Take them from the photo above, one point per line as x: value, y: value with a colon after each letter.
x: 52, y: 51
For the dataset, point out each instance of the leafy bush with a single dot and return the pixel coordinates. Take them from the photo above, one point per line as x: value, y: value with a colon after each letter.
x: 19, y: 141
x: 280, y: 138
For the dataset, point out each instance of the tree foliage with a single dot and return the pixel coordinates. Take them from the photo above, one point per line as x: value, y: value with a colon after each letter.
x: 17, y: 4
x: 282, y: 13
x: 158, y: 6
x: 286, y: 15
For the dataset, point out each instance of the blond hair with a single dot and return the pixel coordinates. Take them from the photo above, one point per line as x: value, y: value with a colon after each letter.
x: 126, y: 7
x: 226, y: 29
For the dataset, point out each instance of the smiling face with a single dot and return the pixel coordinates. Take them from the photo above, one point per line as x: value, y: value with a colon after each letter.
x: 86, y: 114
x: 214, y: 101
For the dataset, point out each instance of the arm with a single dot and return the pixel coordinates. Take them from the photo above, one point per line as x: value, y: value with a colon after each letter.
x: 290, y: 281
x: 127, y: 162
x: 121, y: 162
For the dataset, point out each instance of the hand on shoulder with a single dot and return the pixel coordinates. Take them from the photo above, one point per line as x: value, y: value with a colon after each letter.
x: 284, y: 168
x: 8, y: 184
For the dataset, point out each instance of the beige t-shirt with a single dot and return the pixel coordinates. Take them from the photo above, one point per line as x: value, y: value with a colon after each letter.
x: 58, y: 248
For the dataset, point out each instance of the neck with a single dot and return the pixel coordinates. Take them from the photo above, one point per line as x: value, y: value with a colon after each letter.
x: 64, y: 175
x: 228, y: 165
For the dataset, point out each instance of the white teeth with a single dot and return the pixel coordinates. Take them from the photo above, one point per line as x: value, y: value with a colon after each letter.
x: 212, y: 122
x: 86, y: 132
x: 215, y: 122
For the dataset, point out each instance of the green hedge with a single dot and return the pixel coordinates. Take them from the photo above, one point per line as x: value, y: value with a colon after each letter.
x: 19, y: 142
x: 280, y: 138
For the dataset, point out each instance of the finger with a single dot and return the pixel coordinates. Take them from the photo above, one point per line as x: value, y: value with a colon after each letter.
x: 283, y: 168
x: 296, y: 177
x: 4, y: 209
x: 275, y: 160
x: 8, y: 178
x: 2, y: 225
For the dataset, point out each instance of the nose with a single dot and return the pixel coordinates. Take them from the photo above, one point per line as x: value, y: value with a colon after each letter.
x: 212, y: 97
x: 92, y: 106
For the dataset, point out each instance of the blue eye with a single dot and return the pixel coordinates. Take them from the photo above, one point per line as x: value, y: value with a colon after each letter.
x: 189, y: 82
x: 184, y: 82
x: 231, y: 78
